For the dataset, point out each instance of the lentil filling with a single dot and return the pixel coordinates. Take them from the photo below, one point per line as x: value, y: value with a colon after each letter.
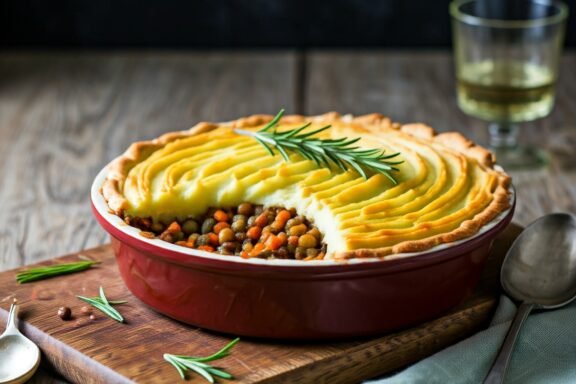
x: 247, y: 231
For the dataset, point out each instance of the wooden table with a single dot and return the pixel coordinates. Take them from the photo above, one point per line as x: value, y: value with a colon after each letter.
x: 63, y: 116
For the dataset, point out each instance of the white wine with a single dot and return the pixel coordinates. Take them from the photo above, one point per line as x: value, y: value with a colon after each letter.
x: 505, y: 90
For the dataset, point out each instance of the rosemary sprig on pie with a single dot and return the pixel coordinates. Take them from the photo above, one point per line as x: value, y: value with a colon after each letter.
x: 341, y: 152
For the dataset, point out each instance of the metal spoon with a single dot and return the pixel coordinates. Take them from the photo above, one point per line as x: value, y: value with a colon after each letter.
x: 540, y: 271
x: 19, y: 356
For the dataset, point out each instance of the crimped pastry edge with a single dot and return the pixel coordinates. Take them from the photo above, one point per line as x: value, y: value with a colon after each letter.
x: 120, y: 167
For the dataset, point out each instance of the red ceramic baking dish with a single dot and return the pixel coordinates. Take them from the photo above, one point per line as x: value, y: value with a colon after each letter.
x: 290, y: 299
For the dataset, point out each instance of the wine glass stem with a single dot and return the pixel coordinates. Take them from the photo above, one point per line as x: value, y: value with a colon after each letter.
x: 503, y: 135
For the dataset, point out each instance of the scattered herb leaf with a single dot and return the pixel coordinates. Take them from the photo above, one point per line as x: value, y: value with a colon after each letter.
x: 198, y: 364
x: 104, y: 305
x: 41, y: 273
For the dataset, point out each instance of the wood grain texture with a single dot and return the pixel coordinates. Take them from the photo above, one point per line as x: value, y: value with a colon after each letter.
x: 64, y: 116
x: 420, y: 86
x: 105, y: 351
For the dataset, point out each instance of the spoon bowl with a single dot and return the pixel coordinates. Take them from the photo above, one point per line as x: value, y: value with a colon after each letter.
x: 19, y: 356
x: 540, y: 267
x: 539, y: 271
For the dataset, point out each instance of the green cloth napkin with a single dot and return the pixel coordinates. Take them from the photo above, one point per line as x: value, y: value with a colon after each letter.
x: 545, y: 352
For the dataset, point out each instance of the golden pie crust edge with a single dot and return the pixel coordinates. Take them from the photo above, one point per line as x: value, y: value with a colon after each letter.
x: 120, y: 167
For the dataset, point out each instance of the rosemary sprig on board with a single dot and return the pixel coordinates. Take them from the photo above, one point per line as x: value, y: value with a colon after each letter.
x: 41, y: 273
x: 198, y: 364
x: 104, y: 305
x: 341, y: 152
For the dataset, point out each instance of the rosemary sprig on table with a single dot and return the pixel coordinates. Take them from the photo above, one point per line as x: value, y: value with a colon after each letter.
x: 341, y: 151
x: 198, y: 364
x: 40, y: 273
x: 104, y: 305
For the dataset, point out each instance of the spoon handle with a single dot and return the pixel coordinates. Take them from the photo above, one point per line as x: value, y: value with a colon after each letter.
x: 12, y: 325
x: 500, y: 365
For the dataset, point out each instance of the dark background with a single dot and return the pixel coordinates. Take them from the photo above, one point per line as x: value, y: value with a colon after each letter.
x: 201, y: 24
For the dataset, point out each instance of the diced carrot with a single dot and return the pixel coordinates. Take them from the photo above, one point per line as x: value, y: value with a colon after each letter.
x: 259, y: 247
x: 254, y: 232
x: 273, y: 242
x: 262, y: 220
x: 213, y: 238
x: 220, y: 226
x: 174, y: 227
x: 244, y: 255
x: 185, y: 243
x: 148, y: 235
x: 293, y: 240
x: 206, y: 248
x: 319, y: 256
x: 220, y: 215
x: 277, y: 225
x: 283, y: 237
x: 264, y: 236
x: 282, y: 217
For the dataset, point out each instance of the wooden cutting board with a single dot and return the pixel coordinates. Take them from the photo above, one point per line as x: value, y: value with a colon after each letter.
x: 104, y: 351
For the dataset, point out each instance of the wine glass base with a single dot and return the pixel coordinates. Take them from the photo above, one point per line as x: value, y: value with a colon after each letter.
x: 521, y: 157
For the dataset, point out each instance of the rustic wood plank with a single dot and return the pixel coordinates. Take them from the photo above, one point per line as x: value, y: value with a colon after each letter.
x: 64, y: 116
x: 104, y: 351
x: 420, y: 86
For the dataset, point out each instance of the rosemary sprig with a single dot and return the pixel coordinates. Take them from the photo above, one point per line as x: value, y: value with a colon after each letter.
x: 41, y: 273
x: 103, y: 304
x: 341, y: 152
x: 198, y: 364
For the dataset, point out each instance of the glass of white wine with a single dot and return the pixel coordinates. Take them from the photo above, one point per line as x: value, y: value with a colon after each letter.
x: 507, y: 54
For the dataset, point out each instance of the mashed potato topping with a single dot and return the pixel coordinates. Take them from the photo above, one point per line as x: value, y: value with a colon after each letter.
x: 447, y: 186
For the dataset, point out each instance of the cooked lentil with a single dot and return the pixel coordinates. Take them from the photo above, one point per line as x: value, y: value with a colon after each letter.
x: 248, y: 231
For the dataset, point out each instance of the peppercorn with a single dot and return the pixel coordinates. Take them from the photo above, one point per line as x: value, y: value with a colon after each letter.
x: 64, y: 313
x: 86, y: 310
